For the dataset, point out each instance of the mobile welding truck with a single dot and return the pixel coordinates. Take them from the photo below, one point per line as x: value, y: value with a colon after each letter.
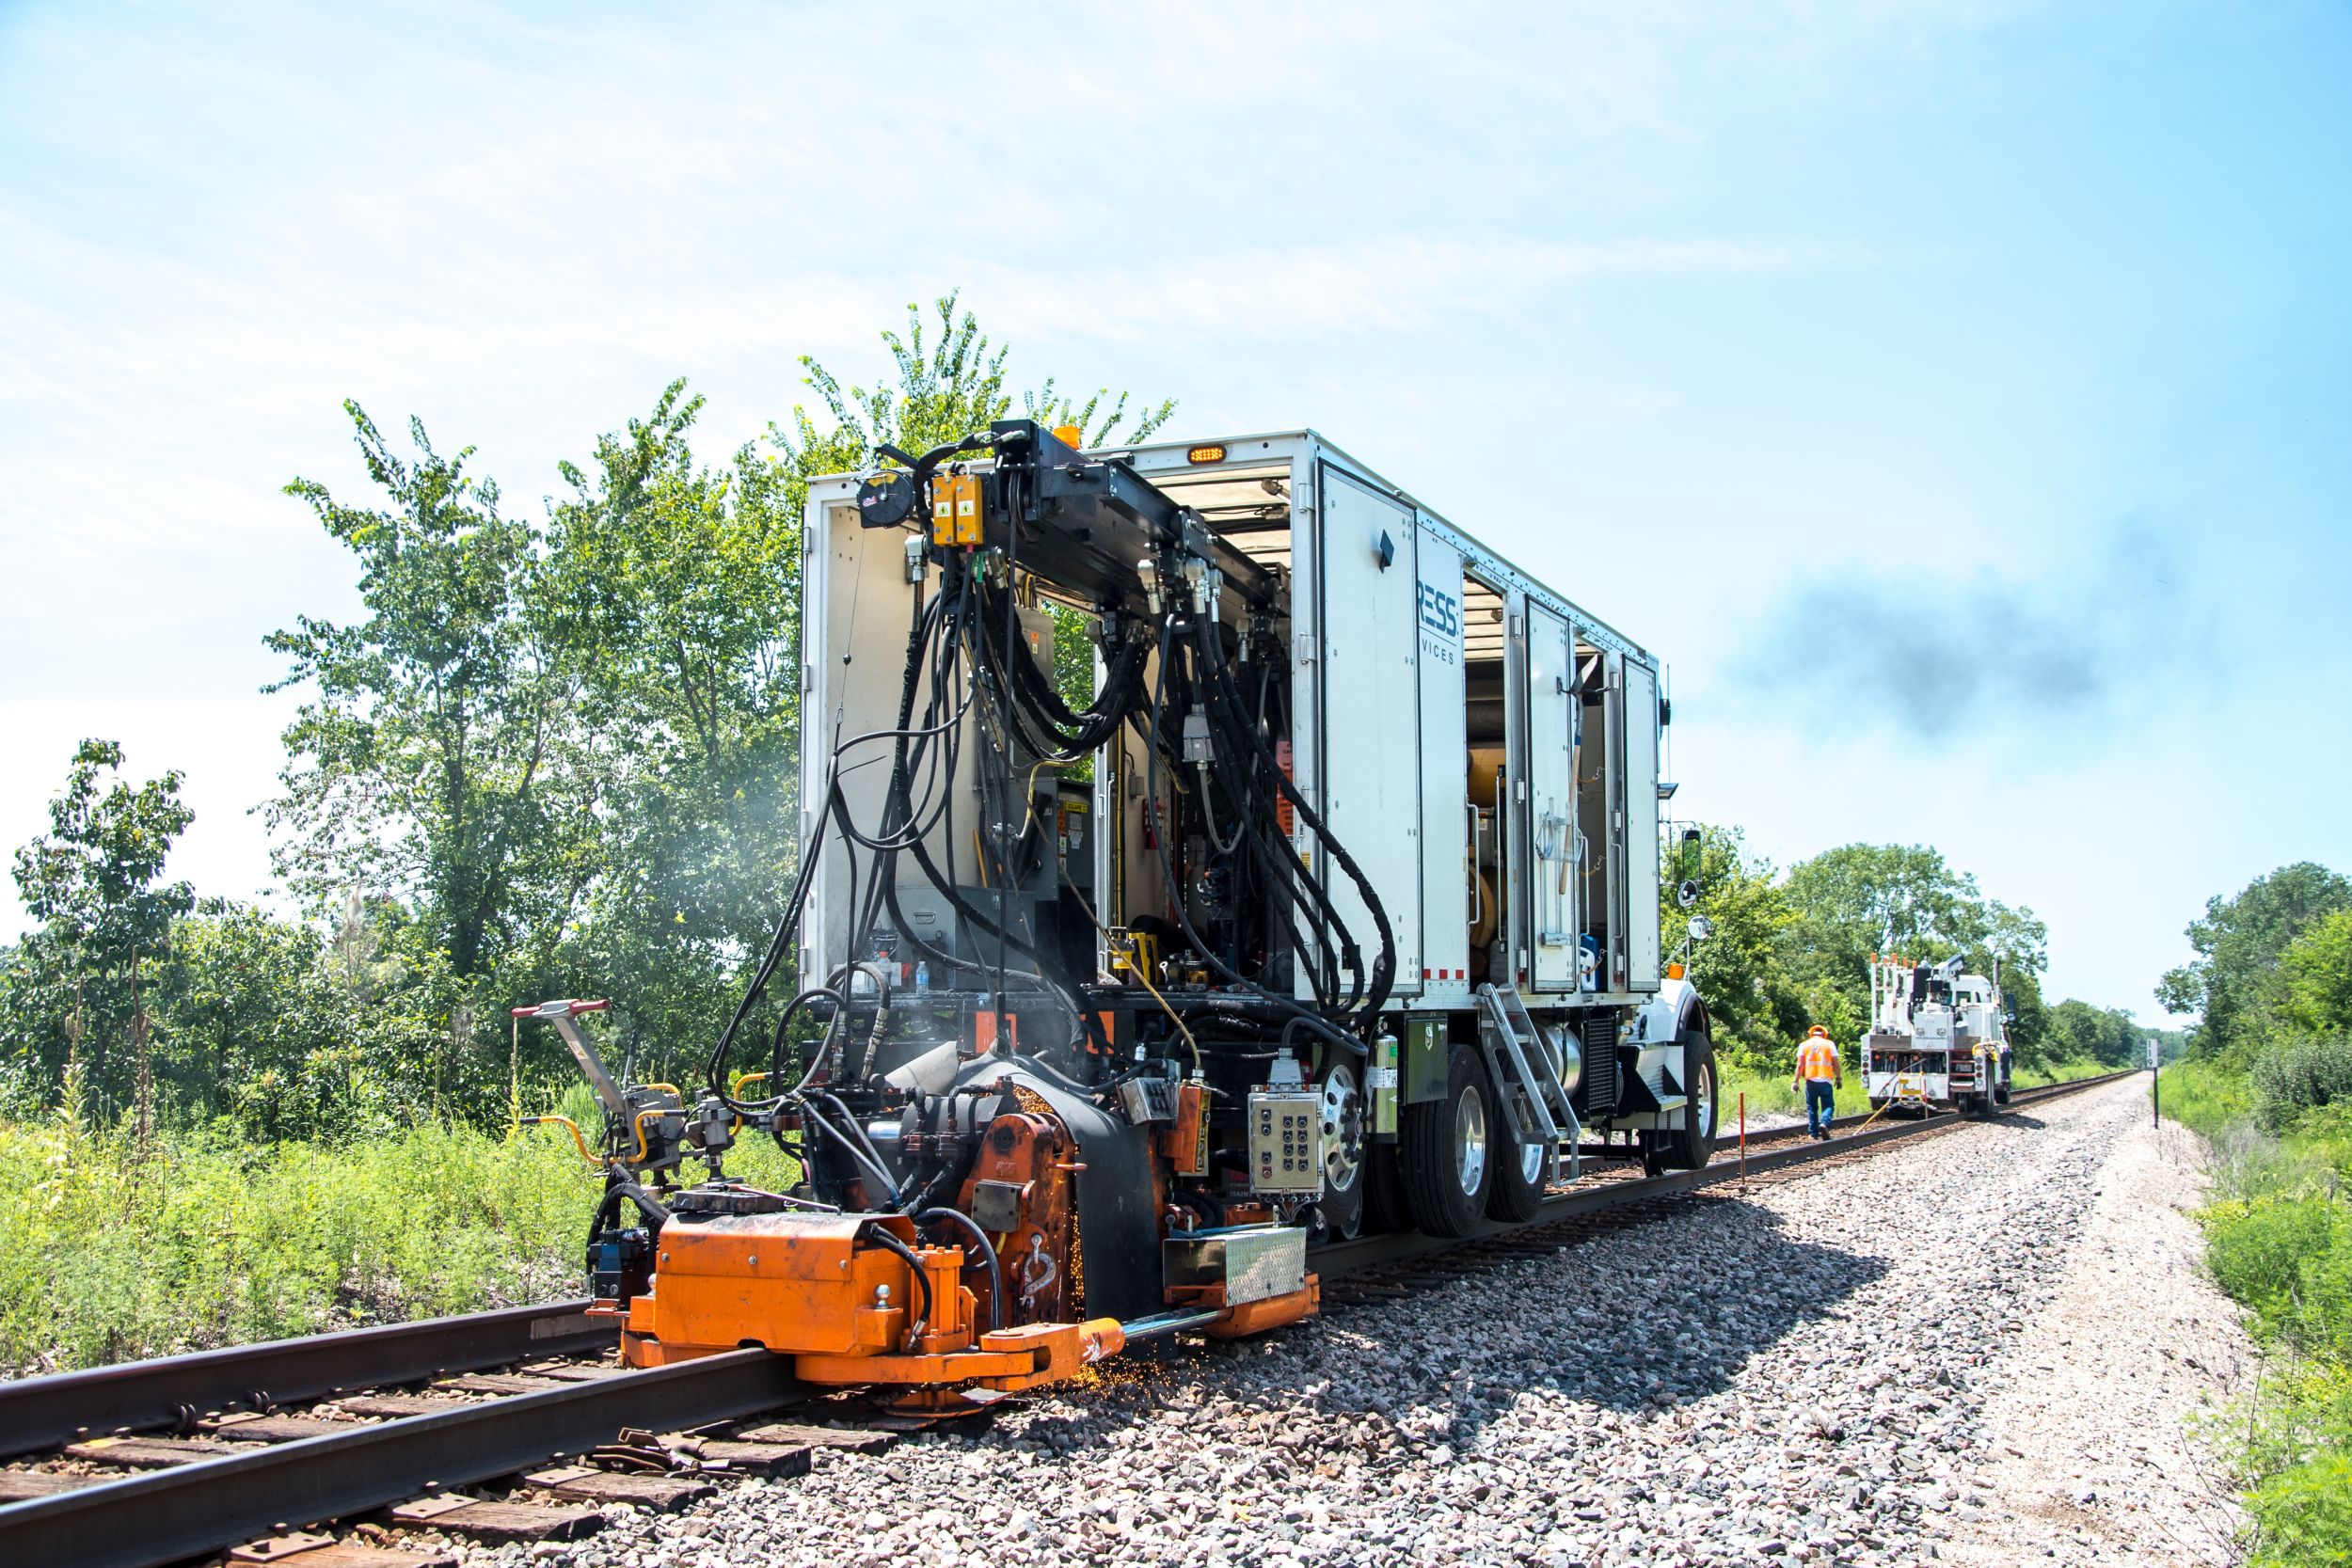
x: 1329, y: 904
x: 1938, y: 1038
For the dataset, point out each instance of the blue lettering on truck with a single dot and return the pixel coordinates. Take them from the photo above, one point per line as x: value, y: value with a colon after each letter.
x: 1440, y: 612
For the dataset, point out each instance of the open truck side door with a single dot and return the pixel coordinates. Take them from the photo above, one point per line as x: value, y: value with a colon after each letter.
x: 1552, y: 879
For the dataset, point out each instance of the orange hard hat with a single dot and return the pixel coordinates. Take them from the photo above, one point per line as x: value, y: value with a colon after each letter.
x: 1821, y: 1030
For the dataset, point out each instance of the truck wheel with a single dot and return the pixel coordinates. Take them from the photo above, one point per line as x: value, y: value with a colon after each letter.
x: 1447, y: 1150
x: 1695, y: 1141
x: 1521, y: 1173
x: 1343, y: 1148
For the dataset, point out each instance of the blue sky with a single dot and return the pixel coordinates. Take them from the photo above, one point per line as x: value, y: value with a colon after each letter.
x: 1958, y: 396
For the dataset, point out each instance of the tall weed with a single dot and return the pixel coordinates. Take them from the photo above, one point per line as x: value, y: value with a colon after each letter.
x: 113, y: 1257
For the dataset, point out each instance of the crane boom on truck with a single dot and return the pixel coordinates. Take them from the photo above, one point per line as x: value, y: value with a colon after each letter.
x: 1331, y: 906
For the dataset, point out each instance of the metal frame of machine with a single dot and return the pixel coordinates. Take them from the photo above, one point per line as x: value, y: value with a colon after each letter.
x: 1355, y: 924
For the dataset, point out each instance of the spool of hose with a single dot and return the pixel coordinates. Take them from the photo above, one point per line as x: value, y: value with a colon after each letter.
x: 1486, y: 769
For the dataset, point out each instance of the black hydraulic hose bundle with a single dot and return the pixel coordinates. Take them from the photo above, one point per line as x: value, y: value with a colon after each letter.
x: 1313, y: 1019
x: 967, y: 638
x: 1384, y: 966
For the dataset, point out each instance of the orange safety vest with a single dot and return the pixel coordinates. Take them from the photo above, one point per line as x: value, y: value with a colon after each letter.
x: 1817, y: 1058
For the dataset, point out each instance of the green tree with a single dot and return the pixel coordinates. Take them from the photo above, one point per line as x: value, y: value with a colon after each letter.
x: 2239, y: 942
x: 1757, y: 1012
x: 942, y: 394
x: 2315, y: 977
x: 2077, y: 1031
x: 676, y: 587
x: 433, y: 759
x: 76, y: 992
x: 1861, y: 899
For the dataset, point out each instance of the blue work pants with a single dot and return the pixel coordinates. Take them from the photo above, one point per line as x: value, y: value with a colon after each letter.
x: 1821, y: 1105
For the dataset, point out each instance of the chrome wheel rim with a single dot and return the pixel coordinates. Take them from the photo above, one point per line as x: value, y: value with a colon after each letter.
x: 1469, y: 1141
x: 1342, y: 1128
x: 1531, y: 1164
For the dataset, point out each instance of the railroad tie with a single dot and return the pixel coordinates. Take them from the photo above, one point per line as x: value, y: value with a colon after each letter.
x: 501, y: 1383
x: 148, y: 1454
x: 23, y: 1486
x: 269, y: 1429
x: 392, y: 1407
x: 583, y: 1483
x: 497, y: 1522
x: 325, y: 1551
x: 847, y: 1439
x: 758, y: 1459
x: 572, y: 1372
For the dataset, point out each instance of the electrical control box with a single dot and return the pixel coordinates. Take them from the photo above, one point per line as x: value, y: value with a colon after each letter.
x: 1286, y: 1141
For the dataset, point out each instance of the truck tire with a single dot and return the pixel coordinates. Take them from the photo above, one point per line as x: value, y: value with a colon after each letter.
x: 1447, y: 1149
x: 1694, y: 1143
x: 1689, y: 1146
x: 1344, y: 1174
x: 1521, y: 1173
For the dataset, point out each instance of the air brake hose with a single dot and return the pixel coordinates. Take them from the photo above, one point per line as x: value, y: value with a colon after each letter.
x: 988, y: 1256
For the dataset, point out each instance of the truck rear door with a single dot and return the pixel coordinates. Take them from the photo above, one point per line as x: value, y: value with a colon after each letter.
x: 1369, y: 756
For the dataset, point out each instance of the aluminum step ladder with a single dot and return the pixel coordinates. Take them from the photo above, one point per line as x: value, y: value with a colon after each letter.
x: 1523, y: 1061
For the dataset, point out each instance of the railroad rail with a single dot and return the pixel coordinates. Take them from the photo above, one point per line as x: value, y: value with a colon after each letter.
x: 230, y: 1471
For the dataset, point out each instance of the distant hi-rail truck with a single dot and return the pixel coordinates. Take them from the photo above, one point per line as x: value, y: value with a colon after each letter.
x: 1327, y: 904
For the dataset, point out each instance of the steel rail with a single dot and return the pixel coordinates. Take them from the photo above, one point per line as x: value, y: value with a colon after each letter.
x: 1337, y: 1259
x: 37, y: 1413
x: 167, y: 1516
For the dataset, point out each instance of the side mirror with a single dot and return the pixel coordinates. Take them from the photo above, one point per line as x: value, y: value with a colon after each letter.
x: 1701, y: 927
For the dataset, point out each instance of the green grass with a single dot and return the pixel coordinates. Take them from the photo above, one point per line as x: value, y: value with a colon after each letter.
x: 2279, y: 1241
x: 1769, y: 1093
x: 113, y: 1256
x: 2037, y: 1074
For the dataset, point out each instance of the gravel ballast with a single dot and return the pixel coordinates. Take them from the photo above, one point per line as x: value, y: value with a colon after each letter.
x: 1978, y: 1348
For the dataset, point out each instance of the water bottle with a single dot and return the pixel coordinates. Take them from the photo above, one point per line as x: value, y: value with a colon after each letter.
x: 922, y: 978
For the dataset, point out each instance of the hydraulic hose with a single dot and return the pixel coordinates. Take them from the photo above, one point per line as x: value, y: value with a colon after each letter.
x: 914, y: 1266
x: 988, y: 1255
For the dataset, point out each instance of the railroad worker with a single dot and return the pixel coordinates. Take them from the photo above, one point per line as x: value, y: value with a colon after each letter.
x: 1819, y: 1077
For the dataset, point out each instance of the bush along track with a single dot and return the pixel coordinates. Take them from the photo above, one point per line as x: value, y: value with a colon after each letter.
x: 2278, y: 1234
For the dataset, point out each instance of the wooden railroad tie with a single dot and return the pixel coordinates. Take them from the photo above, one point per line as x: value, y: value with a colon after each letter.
x: 325, y: 1551
x: 148, y: 1454
x: 270, y: 1429
x: 497, y: 1522
x: 582, y: 1484
x: 846, y: 1439
x: 23, y: 1486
